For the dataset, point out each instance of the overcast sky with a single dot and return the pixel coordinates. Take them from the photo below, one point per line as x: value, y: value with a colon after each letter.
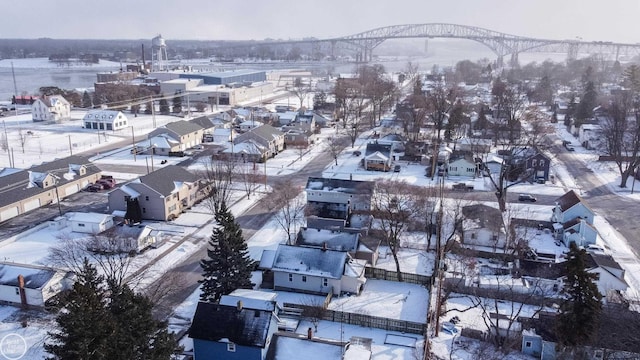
x: 602, y: 20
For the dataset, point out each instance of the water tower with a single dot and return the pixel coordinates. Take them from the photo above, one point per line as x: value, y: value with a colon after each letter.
x: 158, y: 54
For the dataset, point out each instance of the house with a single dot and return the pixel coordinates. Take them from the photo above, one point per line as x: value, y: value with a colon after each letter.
x: 247, y: 151
x: 590, y: 136
x: 463, y: 166
x: 320, y: 234
x: 89, y: 223
x: 475, y: 146
x: 493, y: 164
x: 160, y: 195
x: 287, y: 346
x: 313, y: 270
x: 161, y: 144
x: 205, y: 123
x: 101, y: 119
x: 287, y: 117
x: 608, y: 273
x: 225, y: 332
x: 24, y: 190
x: 296, y: 136
x: 337, y: 198
x: 539, y: 165
x: 128, y: 238
x: 222, y: 135
x: 482, y: 225
x: 378, y: 156
x: 567, y: 214
x: 188, y: 134
x: 32, y: 285
x: 268, y: 137
x: 249, y: 125
x: 51, y: 108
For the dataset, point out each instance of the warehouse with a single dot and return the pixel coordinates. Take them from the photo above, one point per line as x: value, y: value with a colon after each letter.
x: 228, y: 77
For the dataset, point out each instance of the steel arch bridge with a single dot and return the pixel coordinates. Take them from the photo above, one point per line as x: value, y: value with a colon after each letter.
x: 501, y: 44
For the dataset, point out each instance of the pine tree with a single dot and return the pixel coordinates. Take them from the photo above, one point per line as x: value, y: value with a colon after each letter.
x: 86, y: 100
x: 164, y: 107
x: 177, y: 103
x: 85, y: 324
x: 228, y: 266
x: 580, y: 312
x: 138, y: 335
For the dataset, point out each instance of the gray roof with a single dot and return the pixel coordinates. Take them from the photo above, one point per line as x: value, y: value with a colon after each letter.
x: 310, y: 261
x: 183, y: 127
x: 245, y: 327
x: 202, y: 121
x: 568, y: 200
x: 35, y: 277
x: 266, y: 132
x: 16, y: 186
x: 378, y: 147
x: 340, y: 241
x: 163, y: 180
x: 340, y: 185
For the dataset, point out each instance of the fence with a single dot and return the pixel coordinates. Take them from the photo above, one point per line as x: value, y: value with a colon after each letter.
x: 366, y: 320
x: 382, y: 274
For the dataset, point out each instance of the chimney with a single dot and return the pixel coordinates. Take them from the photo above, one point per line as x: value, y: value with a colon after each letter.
x: 23, y: 294
x: 239, y: 305
x: 324, y: 246
x: 309, y: 334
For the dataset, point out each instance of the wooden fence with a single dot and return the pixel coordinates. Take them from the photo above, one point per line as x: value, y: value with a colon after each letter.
x: 382, y: 274
x: 366, y: 320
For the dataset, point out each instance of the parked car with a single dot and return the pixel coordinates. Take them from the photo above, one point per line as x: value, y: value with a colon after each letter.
x: 107, y: 181
x: 527, y: 197
x: 396, y: 168
x: 449, y: 328
x: 595, y: 248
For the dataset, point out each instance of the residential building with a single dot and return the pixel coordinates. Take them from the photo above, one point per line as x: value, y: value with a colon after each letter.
x: 89, y: 223
x: 313, y: 270
x: 100, y: 119
x: 539, y: 166
x: 482, y: 226
x: 24, y: 190
x: 31, y: 285
x: 378, y: 156
x: 338, y: 198
x: 573, y: 220
x: 51, y: 108
x: 188, y: 134
x: 268, y: 137
x: 161, y: 195
x: 463, y: 166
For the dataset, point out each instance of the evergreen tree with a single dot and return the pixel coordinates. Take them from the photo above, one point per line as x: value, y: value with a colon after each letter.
x: 580, y: 312
x: 138, y: 335
x: 177, y: 103
x: 86, y: 100
x: 148, y: 108
x: 164, y: 107
x: 228, y: 266
x: 84, y: 325
x: 588, y: 101
x: 113, y: 324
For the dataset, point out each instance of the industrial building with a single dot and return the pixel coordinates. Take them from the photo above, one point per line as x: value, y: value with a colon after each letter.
x: 228, y: 77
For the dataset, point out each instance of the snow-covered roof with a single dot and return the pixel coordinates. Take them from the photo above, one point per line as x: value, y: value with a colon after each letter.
x: 95, y: 218
x: 310, y: 261
x: 251, y: 299
x: 35, y: 277
x: 341, y: 241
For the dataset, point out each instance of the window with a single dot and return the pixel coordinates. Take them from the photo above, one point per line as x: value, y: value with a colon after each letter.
x: 290, y: 277
x: 80, y: 225
x: 325, y: 282
x: 541, y: 162
x: 146, y: 198
x: 144, y: 210
x: 17, y: 291
x: 527, y: 344
x: 231, y: 347
x: 304, y: 278
x: 534, y: 162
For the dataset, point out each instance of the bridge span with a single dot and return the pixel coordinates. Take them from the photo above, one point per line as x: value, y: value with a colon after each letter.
x: 502, y: 44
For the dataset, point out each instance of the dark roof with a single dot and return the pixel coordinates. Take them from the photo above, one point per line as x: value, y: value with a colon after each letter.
x: 542, y: 269
x: 16, y: 186
x: 267, y: 132
x: 183, y: 127
x: 340, y: 185
x: 568, y: 200
x: 245, y: 327
x: 310, y: 261
x: 315, y: 222
x: 375, y: 146
x: 487, y: 216
x: 203, y: 121
x: 163, y: 180
x: 605, y: 261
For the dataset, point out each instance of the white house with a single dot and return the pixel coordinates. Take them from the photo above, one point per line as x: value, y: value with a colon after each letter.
x: 127, y: 238
x: 89, y: 223
x: 482, y: 226
x: 463, y: 166
x: 100, y: 119
x: 314, y: 270
x: 30, y: 284
x: 51, y: 108
x: 590, y: 135
x: 249, y: 124
x: 609, y: 274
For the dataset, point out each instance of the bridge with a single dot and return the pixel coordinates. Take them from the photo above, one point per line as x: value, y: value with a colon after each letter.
x: 501, y: 44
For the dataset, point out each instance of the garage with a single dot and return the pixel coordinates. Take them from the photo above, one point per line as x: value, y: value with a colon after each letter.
x: 70, y: 190
x: 9, y: 213
x: 31, y: 204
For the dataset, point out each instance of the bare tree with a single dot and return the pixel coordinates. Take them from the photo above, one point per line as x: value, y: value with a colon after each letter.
x: 248, y: 176
x: 335, y: 145
x: 313, y: 310
x: 288, y: 206
x: 4, y: 142
x: 219, y: 177
x: 22, y: 138
x: 301, y: 89
x: 621, y: 134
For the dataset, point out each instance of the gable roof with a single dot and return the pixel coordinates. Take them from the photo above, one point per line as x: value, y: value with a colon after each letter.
x: 17, y: 185
x: 202, y: 121
x: 310, y: 261
x: 267, y: 132
x: 183, y: 127
x: 340, y: 241
x: 164, y: 179
x: 378, y: 147
x: 215, y: 322
x: 52, y: 100
x: 568, y: 200
x: 486, y: 216
x: 251, y: 299
x: 35, y: 277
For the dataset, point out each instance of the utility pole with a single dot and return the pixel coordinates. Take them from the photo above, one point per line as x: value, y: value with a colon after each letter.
x: 153, y: 112
x: 70, y: 149
x: 133, y: 143
x: 6, y: 142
